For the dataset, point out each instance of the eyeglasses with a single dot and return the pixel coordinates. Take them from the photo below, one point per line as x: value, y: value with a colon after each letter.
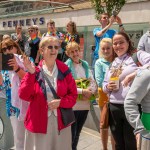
x: 104, y: 17
x: 8, y: 47
x: 51, y: 47
x: 19, y: 28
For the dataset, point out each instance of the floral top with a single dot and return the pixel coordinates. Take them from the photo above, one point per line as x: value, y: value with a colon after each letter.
x: 11, y: 111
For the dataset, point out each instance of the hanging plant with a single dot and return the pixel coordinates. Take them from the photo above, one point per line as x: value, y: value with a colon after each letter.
x: 107, y: 6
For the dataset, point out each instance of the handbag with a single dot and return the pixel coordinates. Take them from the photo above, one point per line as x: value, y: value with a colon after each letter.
x: 104, y: 117
x: 67, y: 113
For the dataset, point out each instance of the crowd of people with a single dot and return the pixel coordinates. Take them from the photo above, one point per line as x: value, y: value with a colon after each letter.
x: 42, y: 65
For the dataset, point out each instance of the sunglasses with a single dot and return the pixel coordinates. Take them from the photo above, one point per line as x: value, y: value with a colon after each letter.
x: 51, y: 47
x: 8, y: 47
x: 104, y: 17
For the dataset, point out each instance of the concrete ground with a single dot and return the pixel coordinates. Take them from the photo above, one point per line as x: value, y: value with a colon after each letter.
x: 90, y: 140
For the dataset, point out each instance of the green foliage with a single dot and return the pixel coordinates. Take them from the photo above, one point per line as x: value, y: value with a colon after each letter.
x: 107, y: 6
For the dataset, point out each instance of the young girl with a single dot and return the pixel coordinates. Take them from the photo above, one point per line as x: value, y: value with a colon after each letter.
x: 80, y: 70
x: 106, y: 55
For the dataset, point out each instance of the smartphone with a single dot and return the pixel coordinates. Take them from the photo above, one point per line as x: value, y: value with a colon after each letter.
x: 4, y: 59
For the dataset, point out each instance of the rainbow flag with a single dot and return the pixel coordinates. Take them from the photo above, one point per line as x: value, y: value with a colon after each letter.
x: 34, y: 38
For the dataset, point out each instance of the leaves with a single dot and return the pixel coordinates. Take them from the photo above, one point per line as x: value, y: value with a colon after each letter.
x: 107, y: 6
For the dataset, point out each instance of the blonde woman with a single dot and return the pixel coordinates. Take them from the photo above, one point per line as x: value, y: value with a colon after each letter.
x: 106, y: 56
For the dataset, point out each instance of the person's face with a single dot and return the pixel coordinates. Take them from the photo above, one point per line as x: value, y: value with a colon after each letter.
x: 74, y: 54
x: 50, y: 51
x: 18, y: 29
x: 120, y: 45
x: 106, y: 50
x: 51, y: 27
x: 69, y: 28
x: 8, y: 49
x: 104, y: 20
x: 32, y: 32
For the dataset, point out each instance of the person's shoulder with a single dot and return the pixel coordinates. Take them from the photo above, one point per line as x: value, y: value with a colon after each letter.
x: 112, y: 31
x: 97, y: 29
x: 61, y: 66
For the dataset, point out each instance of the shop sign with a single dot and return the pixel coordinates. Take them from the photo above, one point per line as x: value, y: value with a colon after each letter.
x: 24, y: 22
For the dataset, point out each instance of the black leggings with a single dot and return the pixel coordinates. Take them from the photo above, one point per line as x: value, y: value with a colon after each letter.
x: 121, y: 129
x: 76, y: 127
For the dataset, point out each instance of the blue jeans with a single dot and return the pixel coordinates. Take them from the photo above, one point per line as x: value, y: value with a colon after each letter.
x: 76, y: 127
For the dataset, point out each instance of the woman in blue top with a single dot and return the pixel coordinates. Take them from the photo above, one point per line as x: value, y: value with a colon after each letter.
x: 102, y: 64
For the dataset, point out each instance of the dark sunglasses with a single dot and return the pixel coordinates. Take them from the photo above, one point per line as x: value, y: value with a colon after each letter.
x: 8, y: 47
x: 51, y: 47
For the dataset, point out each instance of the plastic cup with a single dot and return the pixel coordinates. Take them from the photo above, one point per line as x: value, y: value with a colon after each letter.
x: 116, y: 81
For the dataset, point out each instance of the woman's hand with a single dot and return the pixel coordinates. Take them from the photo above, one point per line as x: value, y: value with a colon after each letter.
x: 128, y: 79
x: 138, y: 141
x: 13, y: 63
x: 111, y: 86
x: 86, y: 94
x: 28, y: 65
x: 54, y: 104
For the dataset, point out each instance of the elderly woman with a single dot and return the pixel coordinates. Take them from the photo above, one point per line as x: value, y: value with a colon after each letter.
x: 80, y: 70
x: 44, y: 127
x: 10, y: 81
x: 114, y: 84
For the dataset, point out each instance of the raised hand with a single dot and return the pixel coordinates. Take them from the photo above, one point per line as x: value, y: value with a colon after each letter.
x: 28, y: 65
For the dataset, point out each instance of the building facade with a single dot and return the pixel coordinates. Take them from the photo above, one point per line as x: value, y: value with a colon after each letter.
x: 134, y: 14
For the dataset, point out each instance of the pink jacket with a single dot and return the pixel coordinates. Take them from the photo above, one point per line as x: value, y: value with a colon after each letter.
x: 32, y: 89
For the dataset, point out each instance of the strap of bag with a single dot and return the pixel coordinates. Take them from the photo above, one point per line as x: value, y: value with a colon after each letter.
x: 50, y: 85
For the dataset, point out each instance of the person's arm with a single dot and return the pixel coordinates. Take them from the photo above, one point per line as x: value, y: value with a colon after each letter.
x: 26, y: 90
x: 99, y: 76
x: 1, y: 79
x: 139, y: 89
x: 143, y: 58
x: 100, y: 33
x: 119, y: 22
x: 69, y: 100
x: 20, y: 72
x: 141, y: 44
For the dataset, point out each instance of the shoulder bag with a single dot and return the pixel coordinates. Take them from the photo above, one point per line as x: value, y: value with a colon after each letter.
x: 67, y: 113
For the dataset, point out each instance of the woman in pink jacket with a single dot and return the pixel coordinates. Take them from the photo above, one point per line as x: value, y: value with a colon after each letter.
x: 43, y: 119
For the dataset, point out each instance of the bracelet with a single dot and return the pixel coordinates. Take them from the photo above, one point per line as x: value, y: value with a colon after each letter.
x: 17, y: 69
x: 120, y: 25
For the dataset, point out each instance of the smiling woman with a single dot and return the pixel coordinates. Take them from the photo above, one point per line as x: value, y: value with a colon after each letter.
x: 123, y: 68
x: 45, y: 107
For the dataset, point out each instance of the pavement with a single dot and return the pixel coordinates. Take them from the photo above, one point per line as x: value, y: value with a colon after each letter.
x: 90, y: 140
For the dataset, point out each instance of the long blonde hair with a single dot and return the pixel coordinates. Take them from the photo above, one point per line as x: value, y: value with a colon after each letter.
x: 108, y: 41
